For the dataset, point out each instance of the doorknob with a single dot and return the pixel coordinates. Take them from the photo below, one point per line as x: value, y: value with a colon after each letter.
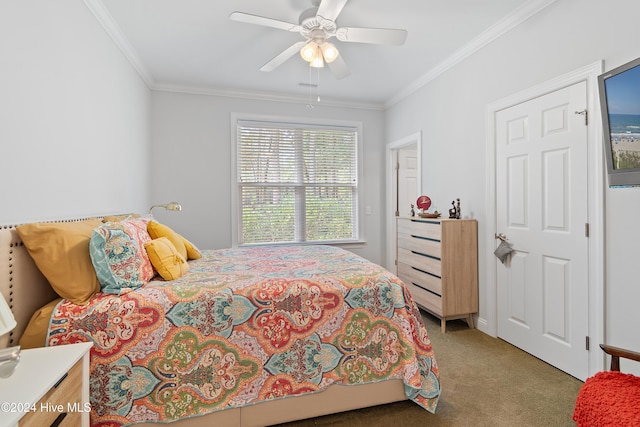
x: 501, y: 236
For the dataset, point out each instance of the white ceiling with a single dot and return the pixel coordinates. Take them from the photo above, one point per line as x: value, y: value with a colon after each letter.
x: 193, y: 45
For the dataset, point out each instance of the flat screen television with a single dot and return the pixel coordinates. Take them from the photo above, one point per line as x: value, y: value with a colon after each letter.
x: 620, y: 108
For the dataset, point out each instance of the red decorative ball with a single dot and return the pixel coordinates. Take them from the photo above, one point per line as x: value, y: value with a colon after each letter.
x: 423, y: 202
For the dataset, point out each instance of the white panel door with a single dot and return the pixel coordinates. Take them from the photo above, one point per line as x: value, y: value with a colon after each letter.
x: 407, y: 180
x: 541, y: 180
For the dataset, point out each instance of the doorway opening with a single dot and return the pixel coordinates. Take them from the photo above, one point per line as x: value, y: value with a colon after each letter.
x: 403, y: 178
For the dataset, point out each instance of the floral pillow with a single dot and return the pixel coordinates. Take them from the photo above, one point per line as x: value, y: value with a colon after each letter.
x: 119, y: 257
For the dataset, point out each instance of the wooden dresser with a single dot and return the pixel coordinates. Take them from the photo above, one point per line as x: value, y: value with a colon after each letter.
x: 438, y: 261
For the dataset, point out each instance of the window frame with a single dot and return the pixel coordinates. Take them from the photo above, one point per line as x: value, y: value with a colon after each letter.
x: 295, y: 121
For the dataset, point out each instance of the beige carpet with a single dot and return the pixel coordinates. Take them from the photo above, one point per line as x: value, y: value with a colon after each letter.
x: 485, y: 382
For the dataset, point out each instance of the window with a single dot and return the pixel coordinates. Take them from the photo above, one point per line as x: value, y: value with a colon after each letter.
x: 296, y: 182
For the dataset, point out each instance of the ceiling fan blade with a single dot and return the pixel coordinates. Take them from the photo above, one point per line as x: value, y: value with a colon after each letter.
x: 330, y: 9
x: 339, y: 68
x: 283, y: 56
x: 267, y: 22
x: 386, y: 36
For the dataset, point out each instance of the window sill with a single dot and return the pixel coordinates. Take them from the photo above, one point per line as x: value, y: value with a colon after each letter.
x: 350, y: 244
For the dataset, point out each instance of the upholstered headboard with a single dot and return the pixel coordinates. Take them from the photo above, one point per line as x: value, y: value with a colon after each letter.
x: 21, y: 283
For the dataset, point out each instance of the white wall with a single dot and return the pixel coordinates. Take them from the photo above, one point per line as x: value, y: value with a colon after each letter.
x: 74, y: 116
x: 191, y: 163
x: 450, y: 111
x: 75, y: 131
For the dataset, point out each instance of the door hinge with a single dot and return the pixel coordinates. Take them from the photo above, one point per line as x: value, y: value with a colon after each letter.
x: 587, y: 342
x: 584, y: 113
x: 397, y: 188
x: 586, y: 229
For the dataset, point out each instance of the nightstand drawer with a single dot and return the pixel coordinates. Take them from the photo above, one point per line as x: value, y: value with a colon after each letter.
x: 64, y: 398
x: 421, y: 228
x: 411, y: 275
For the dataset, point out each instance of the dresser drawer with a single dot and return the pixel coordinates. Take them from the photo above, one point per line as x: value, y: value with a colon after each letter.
x: 425, y: 299
x: 409, y: 274
x: 417, y: 244
x: 65, y: 397
x: 421, y: 262
x: 420, y: 228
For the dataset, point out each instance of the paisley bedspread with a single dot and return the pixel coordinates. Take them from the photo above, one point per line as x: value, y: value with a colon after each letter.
x: 245, y: 325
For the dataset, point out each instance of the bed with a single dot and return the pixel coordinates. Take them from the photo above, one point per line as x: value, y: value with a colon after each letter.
x: 245, y: 336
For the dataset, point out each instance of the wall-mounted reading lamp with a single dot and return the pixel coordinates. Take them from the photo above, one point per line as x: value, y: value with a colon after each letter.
x: 173, y: 206
x: 9, y: 357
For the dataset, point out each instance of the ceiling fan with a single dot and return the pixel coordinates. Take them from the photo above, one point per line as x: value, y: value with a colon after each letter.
x: 317, y: 25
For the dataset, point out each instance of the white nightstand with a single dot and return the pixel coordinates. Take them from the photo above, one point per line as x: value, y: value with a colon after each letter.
x: 49, y: 384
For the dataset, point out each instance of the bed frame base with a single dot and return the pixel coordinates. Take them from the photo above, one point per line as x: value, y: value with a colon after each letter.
x: 337, y: 398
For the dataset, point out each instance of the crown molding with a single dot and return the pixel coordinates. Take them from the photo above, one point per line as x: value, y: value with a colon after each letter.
x: 506, y: 24
x: 113, y: 30
x: 269, y: 96
x: 523, y: 13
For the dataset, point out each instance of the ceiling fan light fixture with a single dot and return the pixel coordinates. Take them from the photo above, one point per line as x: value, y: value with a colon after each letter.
x: 312, y: 53
x: 308, y: 51
x: 316, y: 25
x: 317, y: 61
x: 329, y: 52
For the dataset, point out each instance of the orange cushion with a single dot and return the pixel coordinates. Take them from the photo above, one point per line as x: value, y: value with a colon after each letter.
x: 609, y: 398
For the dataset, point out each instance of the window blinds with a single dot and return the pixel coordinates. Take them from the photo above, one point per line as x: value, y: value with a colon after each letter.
x: 296, y: 183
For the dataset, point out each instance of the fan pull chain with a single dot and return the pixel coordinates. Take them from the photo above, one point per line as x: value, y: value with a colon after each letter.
x: 310, y: 104
x: 318, y: 85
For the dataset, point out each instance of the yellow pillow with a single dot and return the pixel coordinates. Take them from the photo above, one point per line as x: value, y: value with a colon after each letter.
x: 35, y: 334
x: 192, y: 251
x: 61, y: 253
x: 165, y: 258
x: 157, y: 230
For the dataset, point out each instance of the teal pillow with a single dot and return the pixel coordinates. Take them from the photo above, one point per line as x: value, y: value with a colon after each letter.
x: 118, y: 255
